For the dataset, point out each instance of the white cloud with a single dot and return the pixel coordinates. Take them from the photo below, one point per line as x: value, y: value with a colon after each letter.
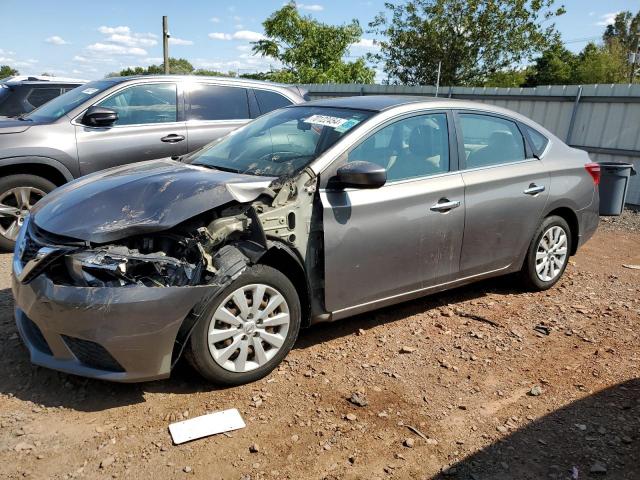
x: 56, y: 40
x: 367, y: 43
x: 244, y: 48
x: 111, y: 49
x: 136, y: 40
x: 247, y: 35
x: 312, y: 7
x: 179, y: 41
x: 607, y: 19
x: 111, y: 30
x: 215, y: 19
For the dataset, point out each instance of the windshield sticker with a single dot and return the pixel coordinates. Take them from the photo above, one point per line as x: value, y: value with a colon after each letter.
x: 325, y: 120
x: 348, y: 125
x: 89, y: 91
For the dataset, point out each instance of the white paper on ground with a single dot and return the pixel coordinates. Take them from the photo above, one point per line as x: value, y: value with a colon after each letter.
x: 206, y: 425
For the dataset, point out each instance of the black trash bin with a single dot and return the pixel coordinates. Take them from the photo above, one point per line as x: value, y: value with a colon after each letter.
x: 614, y: 183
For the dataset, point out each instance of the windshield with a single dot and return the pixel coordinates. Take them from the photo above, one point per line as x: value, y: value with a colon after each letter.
x: 282, y: 142
x: 59, y: 106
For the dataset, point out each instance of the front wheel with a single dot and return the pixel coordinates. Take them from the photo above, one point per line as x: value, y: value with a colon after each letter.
x: 247, y: 329
x: 548, y: 254
x: 18, y: 193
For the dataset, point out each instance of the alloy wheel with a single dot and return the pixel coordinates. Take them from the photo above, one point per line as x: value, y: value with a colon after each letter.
x: 551, y: 254
x: 248, y: 328
x: 14, y: 207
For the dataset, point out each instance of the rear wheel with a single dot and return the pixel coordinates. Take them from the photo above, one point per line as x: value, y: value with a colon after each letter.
x: 548, y: 254
x: 18, y: 193
x: 248, y: 329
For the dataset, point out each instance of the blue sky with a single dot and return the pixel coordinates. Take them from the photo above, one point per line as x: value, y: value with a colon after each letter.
x: 90, y: 39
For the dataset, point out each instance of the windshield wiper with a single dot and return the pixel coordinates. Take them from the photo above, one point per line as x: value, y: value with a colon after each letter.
x: 22, y: 118
x: 216, y: 167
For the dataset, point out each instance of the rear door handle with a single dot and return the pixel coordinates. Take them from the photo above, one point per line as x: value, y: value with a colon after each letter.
x: 172, y: 138
x: 534, y: 189
x: 445, y: 205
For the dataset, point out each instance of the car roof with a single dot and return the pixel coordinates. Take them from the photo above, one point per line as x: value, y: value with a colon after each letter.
x: 41, y: 79
x: 201, y: 77
x: 376, y: 103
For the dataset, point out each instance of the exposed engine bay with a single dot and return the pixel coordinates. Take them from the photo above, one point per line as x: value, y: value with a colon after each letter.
x: 209, y: 249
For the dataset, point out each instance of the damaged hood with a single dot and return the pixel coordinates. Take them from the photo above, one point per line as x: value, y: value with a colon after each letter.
x: 140, y: 198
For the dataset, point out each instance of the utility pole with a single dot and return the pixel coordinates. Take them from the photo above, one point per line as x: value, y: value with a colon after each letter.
x: 438, y: 79
x: 634, y: 58
x: 165, y: 43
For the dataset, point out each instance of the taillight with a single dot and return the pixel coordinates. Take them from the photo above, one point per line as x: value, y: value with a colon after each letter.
x: 594, y: 171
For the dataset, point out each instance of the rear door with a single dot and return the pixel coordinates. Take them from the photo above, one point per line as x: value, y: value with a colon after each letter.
x: 402, y: 237
x: 506, y: 189
x: 150, y: 125
x: 213, y: 111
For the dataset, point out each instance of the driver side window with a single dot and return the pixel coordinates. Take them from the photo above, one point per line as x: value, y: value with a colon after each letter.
x: 409, y: 148
x: 144, y: 104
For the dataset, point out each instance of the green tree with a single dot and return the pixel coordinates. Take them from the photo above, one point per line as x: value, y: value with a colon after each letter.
x: 556, y: 66
x: 507, y: 78
x: 621, y: 38
x: 311, y: 51
x: 473, y: 39
x: 601, y: 64
x: 177, y: 66
x: 7, y: 71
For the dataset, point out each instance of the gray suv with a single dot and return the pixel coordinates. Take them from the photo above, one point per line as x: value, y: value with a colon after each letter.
x: 120, y: 120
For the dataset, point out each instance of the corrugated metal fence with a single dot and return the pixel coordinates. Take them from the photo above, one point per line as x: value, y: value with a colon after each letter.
x: 601, y: 119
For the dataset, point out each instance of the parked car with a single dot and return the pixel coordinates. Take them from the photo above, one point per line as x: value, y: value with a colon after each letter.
x: 311, y: 213
x: 117, y: 121
x: 20, y: 94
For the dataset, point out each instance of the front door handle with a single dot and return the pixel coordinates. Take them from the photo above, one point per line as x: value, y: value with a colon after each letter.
x: 172, y: 138
x: 534, y: 189
x: 444, y: 205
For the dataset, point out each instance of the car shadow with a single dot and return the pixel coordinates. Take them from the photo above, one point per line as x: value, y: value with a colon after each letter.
x: 595, y: 437
x: 48, y: 388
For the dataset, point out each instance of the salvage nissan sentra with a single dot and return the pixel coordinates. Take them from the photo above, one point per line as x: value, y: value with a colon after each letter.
x: 311, y: 213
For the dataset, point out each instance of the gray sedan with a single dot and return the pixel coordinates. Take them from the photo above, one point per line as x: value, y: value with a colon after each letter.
x: 311, y: 213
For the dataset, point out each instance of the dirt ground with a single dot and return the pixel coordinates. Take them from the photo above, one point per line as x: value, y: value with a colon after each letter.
x: 548, y: 387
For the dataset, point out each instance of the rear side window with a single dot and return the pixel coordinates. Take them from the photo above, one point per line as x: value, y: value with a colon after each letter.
x: 217, y: 102
x: 144, y: 104
x: 490, y: 140
x: 536, y: 139
x: 268, y: 101
x: 40, y: 96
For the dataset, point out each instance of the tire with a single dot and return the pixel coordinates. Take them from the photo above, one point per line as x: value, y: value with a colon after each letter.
x: 200, y: 352
x: 9, y: 197
x: 555, y: 266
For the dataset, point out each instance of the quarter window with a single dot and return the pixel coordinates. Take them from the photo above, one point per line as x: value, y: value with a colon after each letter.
x: 490, y: 140
x: 269, y: 101
x: 217, y: 102
x: 537, y: 140
x: 143, y: 104
x: 409, y: 148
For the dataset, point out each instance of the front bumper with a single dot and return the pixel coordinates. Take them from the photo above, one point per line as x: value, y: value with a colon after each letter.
x: 123, y: 334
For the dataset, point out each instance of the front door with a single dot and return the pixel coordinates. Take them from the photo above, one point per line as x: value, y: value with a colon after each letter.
x: 505, y: 193
x: 147, y: 128
x: 405, y: 236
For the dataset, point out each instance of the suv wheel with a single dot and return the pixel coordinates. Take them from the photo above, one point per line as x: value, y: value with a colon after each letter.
x: 548, y: 254
x: 18, y: 193
x: 247, y: 329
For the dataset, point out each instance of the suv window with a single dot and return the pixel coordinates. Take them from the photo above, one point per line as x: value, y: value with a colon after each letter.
x: 268, y: 101
x: 143, y: 104
x: 40, y: 96
x: 409, y: 148
x: 536, y: 139
x: 490, y: 140
x: 217, y: 102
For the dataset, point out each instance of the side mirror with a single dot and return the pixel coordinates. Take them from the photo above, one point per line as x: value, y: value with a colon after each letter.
x: 99, y: 117
x: 361, y: 175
